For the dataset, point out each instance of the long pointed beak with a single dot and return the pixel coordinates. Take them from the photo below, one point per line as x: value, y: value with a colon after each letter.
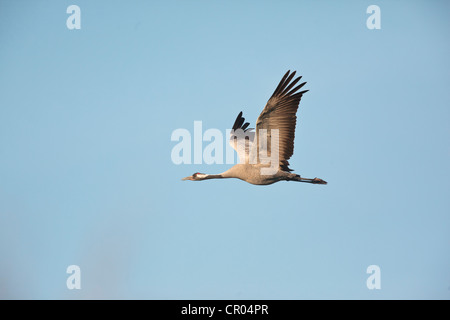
x: 187, y: 178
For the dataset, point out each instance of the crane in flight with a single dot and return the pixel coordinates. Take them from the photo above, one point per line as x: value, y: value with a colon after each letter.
x: 275, y: 128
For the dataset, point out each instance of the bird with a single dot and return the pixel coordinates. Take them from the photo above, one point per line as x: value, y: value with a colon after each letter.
x: 277, y: 120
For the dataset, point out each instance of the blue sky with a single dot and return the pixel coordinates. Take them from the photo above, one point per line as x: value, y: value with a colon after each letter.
x: 86, y: 176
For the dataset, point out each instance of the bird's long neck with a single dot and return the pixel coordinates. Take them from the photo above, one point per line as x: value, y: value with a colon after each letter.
x: 224, y: 175
x: 212, y: 176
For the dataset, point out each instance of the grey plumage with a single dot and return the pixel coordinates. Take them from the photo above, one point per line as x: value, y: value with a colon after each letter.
x: 279, y: 113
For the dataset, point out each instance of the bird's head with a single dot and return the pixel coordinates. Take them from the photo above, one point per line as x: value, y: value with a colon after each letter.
x: 196, y: 177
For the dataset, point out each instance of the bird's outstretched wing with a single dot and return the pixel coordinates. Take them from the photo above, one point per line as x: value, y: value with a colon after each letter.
x: 241, y: 138
x: 280, y: 113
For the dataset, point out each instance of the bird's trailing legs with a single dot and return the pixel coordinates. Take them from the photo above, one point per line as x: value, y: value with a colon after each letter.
x: 307, y: 180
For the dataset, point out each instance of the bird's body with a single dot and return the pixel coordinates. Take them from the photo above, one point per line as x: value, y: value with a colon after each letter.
x: 250, y: 173
x: 275, y: 128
